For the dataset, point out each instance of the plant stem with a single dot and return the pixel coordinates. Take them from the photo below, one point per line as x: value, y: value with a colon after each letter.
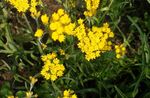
x: 30, y: 28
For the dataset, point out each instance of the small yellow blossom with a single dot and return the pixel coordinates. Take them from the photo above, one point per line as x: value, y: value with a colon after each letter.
x: 120, y: 50
x: 69, y: 94
x: 43, y: 46
x: 10, y: 97
x: 29, y: 94
x: 38, y: 33
x: 33, y: 80
x: 44, y: 19
x: 61, y: 38
x: 60, y: 12
x: 55, y: 17
x: 74, y: 96
x: 62, y: 52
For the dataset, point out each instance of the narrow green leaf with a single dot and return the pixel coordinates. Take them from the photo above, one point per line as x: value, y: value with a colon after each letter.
x: 120, y: 92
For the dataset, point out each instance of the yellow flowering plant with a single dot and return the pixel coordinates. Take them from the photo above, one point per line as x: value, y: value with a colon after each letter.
x: 71, y: 49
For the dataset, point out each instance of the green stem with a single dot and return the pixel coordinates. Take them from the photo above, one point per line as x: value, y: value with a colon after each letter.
x: 8, y: 34
x: 39, y: 47
x: 29, y: 26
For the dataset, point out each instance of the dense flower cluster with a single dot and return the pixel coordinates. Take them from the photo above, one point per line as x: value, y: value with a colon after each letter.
x: 93, y: 41
x: 52, y: 68
x: 120, y: 50
x: 61, y: 25
x: 91, y: 6
x: 20, y: 5
x: 69, y: 94
x: 24, y: 5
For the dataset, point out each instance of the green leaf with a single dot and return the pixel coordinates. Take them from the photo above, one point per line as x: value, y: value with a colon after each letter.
x: 148, y: 1
x: 20, y: 94
x: 34, y: 57
x: 120, y: 92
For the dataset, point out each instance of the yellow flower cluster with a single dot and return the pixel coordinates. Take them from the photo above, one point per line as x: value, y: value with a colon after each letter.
x: 20, y: 5
x: 91, y: 6
x: 38, y: 33
x: 24, y: 5
x: 52, y: 68
x: 69, y: 94
x: 61, y: 25
x: 33, y: 10
x: 120, y: 50
x: 93, y: 41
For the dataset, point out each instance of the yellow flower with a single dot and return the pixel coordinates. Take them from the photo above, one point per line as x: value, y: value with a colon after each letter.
x: 56, y: 61
x: 65, y: 19
x: 66, y: 93
x: 62, y: 52
x: 55, y: 17
x: 69, y: 94
x: 10, y: 97
x: 91, y: 6
x: 61, y: 38
x: 74, y: 96
x: 55, y: 25
x: 44, y: 19
x: 80, y: 21
x: 33, y: 80
x: 59, y: 73
x: 60, y: 12
x: 38, y: 33
x: 29, y: 94
x: 55, y: 36
x: 53, y: 77
x: 120, y: 50
x: 33, y: 9
x: 43, y: 46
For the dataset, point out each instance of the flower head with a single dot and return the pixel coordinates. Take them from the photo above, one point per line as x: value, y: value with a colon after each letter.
x: 91, y: 6
x: 120, y: 50
x: 44, y: 19
x: 52, y: 68
x: 93, y: 41
x: 69, y: 94
x: 61, y: 25
x: 33, y: 80
x: 38, y: 33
